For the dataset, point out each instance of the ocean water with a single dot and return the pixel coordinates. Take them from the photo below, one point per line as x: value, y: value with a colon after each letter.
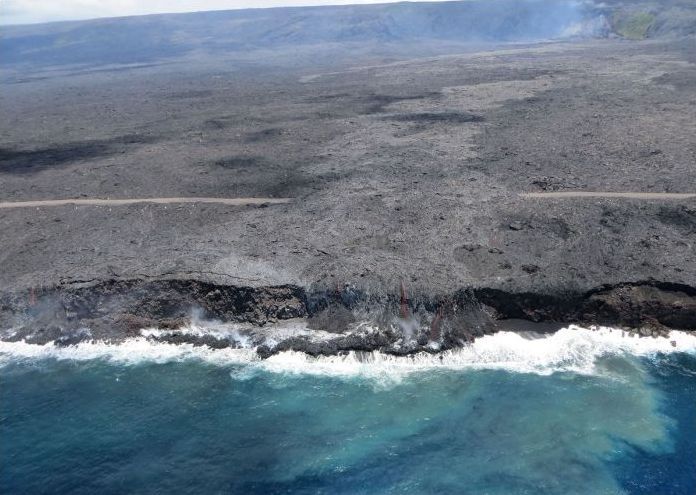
x: 580, y: 412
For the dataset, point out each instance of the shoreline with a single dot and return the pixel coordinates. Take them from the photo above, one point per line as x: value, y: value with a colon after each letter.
x: 572, y: 349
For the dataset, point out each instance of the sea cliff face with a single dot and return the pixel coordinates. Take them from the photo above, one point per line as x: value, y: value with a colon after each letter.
x: 334, y: 321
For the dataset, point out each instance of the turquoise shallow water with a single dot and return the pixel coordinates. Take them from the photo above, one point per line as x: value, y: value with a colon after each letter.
x: 193, y: 426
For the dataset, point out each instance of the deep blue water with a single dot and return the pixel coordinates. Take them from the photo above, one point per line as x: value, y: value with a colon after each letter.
x: 95, y: 426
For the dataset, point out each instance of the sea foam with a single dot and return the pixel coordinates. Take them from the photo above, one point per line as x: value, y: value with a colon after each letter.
x: 572, y: 349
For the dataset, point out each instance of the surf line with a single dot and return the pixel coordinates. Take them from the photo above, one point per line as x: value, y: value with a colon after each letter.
x: 131, y: 201
x: 608, y: 195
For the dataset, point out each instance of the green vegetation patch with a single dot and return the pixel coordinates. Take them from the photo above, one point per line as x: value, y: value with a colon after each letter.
x: 633, y: 25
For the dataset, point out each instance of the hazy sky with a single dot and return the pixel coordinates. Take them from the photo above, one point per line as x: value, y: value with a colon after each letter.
x: 30, y: 11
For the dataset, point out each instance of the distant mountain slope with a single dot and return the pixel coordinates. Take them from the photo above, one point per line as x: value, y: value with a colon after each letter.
x: 149, y: 38
x: 146, y: 38
x: 638, y: 19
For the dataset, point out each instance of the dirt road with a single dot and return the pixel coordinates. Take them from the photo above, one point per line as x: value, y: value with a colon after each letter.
x: 608, y: 195
x: 131, y: 201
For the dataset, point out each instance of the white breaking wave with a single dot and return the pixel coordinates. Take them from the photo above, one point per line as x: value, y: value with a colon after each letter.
x: 132, y: 351
x: 572, y: 349
x: 244, y: 334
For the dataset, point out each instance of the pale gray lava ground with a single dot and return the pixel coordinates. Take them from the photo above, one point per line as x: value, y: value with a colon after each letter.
x: 401, y: 171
